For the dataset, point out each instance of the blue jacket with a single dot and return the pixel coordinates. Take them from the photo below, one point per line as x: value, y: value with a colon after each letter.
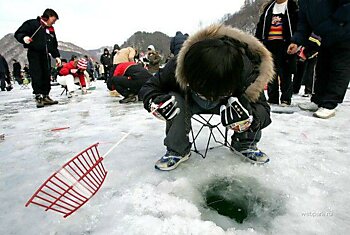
x: 330, y: 19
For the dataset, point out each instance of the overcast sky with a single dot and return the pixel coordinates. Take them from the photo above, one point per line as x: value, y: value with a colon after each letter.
x: 93, y: 24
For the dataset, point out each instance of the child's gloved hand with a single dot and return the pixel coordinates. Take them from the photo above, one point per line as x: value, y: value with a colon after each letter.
x: 164, y: 107
x: 235, y: 115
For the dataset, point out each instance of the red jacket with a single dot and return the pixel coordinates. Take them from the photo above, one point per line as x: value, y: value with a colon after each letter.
x: 121, y: 68
x: 65, y: 70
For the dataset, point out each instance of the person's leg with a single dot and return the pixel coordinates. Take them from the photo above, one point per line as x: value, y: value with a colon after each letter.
x: 70, y: 81
x: 178, y: 128
x: 309, y: 75
x: 35, y: 72
x: 322, y: 75
x: 339, y: 76
x: 2, y: 81
x: 286, y: 85
x: 245, y: 140
x: 297, y: 79
x: 121, y: 84
x: 272, y: 91
x: 273, y: 86
x: 46, y: 74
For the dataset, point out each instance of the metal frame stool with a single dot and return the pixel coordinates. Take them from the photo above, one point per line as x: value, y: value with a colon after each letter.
x: 212, y: 126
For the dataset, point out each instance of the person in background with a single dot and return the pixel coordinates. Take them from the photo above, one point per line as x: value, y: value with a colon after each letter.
x: 275, y: 28
x: 97, y: 70
x: 331, y: 21
x: 5, y: 76
x: 90, y: 67
x: 38, y: 36
x: 105, y: 60
x: 124, y: 55
x: 219, y: 70
x: 116, y: 48
x: 127, y: 80
x: 73, y: 72
x: 16, y: 71
x: 306, y: 66
x: 73, y: 58
x: 176, y: 42
x: 153, y: 58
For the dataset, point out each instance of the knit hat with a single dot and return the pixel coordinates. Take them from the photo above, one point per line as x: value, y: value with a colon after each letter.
x: 151, y: 47
x: 82, y: 64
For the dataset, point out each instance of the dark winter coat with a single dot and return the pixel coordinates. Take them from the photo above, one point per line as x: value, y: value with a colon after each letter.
x: 289, y: 22
x: 4, y: 68
x: 106, y: 60
x: 258, y: 71
x: 176, y: 42
x: 16, y: 72
x: 42, y: 42
x: 328, y: 19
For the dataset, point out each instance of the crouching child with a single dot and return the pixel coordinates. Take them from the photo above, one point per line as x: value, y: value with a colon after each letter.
x: 219, y: 70
x: 71, y: 73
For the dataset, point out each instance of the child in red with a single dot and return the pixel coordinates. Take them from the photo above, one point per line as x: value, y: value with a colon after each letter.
x: 73, y: 72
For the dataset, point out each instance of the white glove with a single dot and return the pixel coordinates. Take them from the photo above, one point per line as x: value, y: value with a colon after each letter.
x: 27, y: 40
x: 73, y: 71
x: 58, y: 61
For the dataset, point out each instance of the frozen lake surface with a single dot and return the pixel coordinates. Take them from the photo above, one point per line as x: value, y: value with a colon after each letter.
x: 303, y: 190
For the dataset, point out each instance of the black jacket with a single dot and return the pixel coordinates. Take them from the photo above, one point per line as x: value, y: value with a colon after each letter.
x: 330, y: 19
x: 16, y: 69
x: 106, y: 60
x: 258, y: 70
x: 42, y: 41
x: 289, y: 22
x: 176, y: 42
x: 4, y: 68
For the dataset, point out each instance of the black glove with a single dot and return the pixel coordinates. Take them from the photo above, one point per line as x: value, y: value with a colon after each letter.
x: 235, y: 115
x: 164, y: 107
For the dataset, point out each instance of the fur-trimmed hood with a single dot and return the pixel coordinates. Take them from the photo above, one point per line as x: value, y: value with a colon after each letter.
x: 255, y: 47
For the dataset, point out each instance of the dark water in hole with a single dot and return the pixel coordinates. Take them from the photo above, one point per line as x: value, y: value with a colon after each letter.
x: 243, y: 200
x: 235, y: 210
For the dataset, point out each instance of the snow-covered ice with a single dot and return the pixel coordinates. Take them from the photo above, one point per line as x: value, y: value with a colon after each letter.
x: 303, y: 190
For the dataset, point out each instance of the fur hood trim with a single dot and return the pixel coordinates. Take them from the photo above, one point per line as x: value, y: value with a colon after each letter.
x: 266, y: 67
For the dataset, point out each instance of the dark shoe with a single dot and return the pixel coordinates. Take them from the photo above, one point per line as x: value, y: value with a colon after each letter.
x: 129, y: 99
x: 39, y: 101
x: 255, y: 156
x: 170, y: 161
x: 48, y: 101
x: 9, y: 88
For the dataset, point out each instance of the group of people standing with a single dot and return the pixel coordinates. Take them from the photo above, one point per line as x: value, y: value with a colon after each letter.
x: 318, y: 32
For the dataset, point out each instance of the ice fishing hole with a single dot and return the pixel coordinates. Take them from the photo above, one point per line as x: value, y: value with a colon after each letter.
x: 243, y: 200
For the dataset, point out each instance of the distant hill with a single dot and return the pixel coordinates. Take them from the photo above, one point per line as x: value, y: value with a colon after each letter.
x: 141, y: 40
x: 247, y: 18
x: 11, y: 49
